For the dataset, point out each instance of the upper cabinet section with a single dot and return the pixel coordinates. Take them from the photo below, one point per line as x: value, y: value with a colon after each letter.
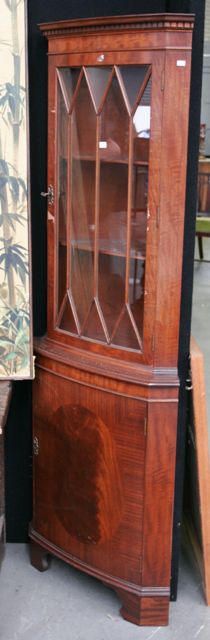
x: 118, y: 108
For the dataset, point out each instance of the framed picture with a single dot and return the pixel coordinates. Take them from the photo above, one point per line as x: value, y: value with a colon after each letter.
x: 197, y: 485
x: 16, y: 361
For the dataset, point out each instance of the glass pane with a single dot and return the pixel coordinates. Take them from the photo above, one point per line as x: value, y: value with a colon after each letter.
x: 98, y: 78
x: 125, y: 335
x: 114, y: 138
x: 68, y: 80
x: 113, y: 151
x: 136, y: 292
x: 63, y: 120
x: 146, y: 98
x: 141, y: 124
x: 113, y: 208
x: 94, y: 328
x: 82, y: 281
x: 139, y: 211
x: 82, y: 224
x: 133, y: 77
x: 67, y: 321
x: 141, y: 137
x: 83, y: 124
x: 111, y: 288
x: 83, y: 204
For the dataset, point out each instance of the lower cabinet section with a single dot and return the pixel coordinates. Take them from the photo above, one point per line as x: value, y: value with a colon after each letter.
x: 103, y: 486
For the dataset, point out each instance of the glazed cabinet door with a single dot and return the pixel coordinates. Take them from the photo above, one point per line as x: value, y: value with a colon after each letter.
x: 89, y: 457
x: 105, y: 175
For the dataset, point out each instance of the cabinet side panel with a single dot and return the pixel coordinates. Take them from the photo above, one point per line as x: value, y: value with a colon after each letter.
x: 89, y: 474
x: 159, y: 494
x: 172, y: 205
x: 158, y: 62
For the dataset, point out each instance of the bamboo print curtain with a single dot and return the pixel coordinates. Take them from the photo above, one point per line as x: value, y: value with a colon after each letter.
x: 15, y: 322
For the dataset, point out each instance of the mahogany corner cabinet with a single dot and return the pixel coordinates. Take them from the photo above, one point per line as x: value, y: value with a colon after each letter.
x: 106, y: 387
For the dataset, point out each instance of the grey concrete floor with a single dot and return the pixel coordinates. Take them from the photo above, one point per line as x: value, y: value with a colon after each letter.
x: 64, y: 604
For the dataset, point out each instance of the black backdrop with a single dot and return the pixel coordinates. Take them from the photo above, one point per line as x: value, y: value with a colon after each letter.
x: 18, y: 431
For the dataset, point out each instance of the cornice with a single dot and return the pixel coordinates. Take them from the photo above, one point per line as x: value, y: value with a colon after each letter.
x: 153, y: 22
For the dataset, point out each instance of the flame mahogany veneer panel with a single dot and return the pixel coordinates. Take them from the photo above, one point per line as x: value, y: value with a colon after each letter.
x: 103, y: 485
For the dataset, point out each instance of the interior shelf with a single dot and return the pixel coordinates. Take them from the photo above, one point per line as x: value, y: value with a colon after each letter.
x: 108, y: 248
x: 110, y: 160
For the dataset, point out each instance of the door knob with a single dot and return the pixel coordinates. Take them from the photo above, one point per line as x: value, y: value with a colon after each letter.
x: 48, y: 194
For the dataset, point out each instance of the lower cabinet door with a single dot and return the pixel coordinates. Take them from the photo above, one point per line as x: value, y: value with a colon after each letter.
x: 89, y: 454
